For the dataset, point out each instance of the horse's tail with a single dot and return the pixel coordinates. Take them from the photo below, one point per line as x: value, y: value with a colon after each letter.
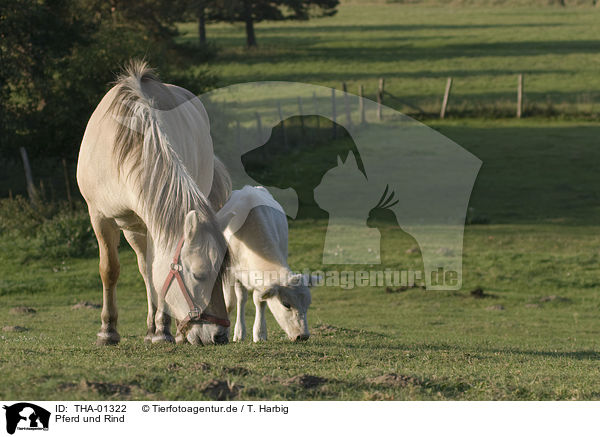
x: 131, y: 108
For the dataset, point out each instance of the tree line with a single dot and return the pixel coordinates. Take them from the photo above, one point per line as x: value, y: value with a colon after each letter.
x: 250, y: 12
x: 58, y: 57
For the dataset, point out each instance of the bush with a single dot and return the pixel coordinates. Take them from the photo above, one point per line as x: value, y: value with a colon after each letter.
x: 51, y: 228
x: 68, y: 234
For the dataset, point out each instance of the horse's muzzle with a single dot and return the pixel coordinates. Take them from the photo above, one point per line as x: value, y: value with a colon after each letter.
x: 221, y: 339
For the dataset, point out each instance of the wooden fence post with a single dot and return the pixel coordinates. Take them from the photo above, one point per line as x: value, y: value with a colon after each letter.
x: 361, y: 105
x: 347, y: 105
x: 301, y: 113
x: 520, y: 97
x: 446, y: 97
x: 31, y: 191
x: 259, y: 128
x: 380, y: 99
x: 285, y: 142
x: 333, y: 114
x: 67, y: 183
x: 316, y: 102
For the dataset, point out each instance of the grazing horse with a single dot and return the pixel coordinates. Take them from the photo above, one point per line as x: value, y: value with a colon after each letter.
x: 257, y: 231
x: 145, y: 165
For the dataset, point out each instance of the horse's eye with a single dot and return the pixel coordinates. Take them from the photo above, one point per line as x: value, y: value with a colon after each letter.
x: 287, y: 305
x: 199, y: 277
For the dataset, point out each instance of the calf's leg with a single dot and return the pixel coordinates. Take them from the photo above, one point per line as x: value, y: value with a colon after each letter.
x: 241, y: 295
x: 259, y: 330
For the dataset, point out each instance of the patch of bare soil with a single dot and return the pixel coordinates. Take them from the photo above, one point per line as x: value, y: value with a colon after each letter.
x: 102, y: 388
x: 478, y: 293
x: 202, y: 367
x: 324, y: 330
x: 377, y: 396
x: 304, y: 381
x: 105, y: 388
x: 236, y: 370
x: 495, y: 308
x: 395, y: 380
x: 554, y: 298
x: 220, y: 390
x: 390, y: 290
x: 532, y: 305
x: 85, y: 305
x: 14, y: 329
x: 22, y: 310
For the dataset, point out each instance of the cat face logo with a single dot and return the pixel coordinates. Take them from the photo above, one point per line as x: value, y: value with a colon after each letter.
x: 26, y: 417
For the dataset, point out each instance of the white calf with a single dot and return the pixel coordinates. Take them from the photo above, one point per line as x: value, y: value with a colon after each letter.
x: 258, y: 243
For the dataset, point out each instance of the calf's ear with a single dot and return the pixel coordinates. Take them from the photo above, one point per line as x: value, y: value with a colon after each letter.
x: 268, y: 293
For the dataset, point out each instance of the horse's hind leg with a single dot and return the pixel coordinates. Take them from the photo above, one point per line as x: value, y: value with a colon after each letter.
x: 139, y: 242
x: 107, y: 234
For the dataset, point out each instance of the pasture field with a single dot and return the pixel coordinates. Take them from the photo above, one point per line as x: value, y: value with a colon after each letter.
x: 415, y: 47
x: 536, y: 335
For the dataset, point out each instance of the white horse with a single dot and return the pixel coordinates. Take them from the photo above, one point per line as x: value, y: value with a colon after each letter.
x: 257, y: 233
x: 145, y: 161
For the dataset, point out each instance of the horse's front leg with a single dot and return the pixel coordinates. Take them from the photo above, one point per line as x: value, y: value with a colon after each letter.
x: 162, y: 322
x: 138, y: 241
x: 107, y: 234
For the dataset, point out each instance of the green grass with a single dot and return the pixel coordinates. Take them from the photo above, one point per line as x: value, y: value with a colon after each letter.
x: 453, y: 345
x: 416, y: 47
x: 538, y: 187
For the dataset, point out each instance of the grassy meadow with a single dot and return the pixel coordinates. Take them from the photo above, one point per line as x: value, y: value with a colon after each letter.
x: 532, y: 334
x: 416, y: 47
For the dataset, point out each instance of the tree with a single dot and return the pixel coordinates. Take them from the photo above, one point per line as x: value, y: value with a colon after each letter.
x: 200, y: 12
x: 250, y: 12
x: 58, y: 57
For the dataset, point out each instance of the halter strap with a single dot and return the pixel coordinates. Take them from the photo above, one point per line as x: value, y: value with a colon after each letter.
x: 194, y: 315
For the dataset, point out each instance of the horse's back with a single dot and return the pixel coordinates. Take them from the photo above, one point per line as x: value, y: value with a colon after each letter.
x: 104, y: 179
x: 263, y: 235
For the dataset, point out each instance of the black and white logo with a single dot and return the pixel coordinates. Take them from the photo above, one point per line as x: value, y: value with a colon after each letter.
x: 26, y: 417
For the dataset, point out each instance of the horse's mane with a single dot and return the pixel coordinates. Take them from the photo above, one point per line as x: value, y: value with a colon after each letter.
x: 221, y: 186
x: 167, y: 191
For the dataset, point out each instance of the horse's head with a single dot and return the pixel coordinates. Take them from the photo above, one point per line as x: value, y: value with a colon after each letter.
x: 195, y: 296
x: 289, y: 304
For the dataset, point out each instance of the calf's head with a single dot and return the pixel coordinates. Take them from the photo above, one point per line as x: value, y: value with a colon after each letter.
x: 289, y: 304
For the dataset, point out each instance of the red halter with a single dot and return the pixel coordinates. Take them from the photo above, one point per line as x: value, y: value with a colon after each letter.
x: 194, y: 315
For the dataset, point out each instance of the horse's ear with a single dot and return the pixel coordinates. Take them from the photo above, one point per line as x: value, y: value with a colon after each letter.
x: 191, y: 226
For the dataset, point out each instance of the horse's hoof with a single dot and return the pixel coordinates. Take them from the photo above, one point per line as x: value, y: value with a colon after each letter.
x: 180, y: 339
x: 163, y: 338
x: 148, y: 338
x: 108, y: 338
